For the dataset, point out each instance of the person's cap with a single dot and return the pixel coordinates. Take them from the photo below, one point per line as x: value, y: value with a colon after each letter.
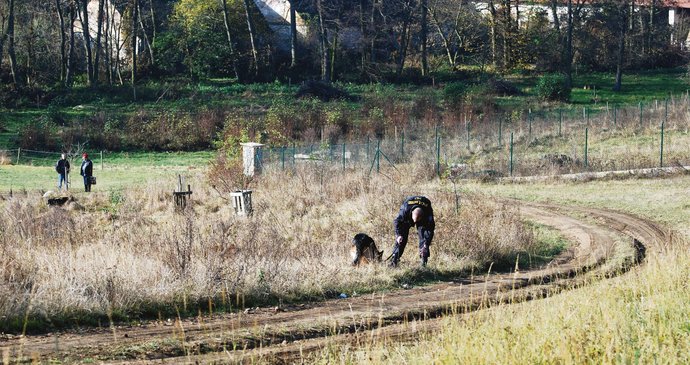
x: 85, y: 155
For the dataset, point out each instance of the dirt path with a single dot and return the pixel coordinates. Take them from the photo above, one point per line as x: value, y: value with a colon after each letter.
x: 285, y: 335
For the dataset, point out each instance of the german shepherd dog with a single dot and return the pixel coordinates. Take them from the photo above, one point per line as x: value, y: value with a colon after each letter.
x: 364, y: 250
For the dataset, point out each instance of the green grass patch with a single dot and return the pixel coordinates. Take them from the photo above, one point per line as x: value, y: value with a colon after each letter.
x: 118, y: 170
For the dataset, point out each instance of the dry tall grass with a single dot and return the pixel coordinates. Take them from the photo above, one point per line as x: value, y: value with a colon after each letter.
x: 129, y: 253
x: 639, y: 318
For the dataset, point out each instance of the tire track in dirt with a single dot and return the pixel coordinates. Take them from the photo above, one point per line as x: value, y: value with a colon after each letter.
x: 272, y: 336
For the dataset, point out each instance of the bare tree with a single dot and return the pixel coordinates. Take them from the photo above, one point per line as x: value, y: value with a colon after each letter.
x: 63, y: 40
x: 144, y: 34
x: 231, y: 44
x: 323, y: 42
x: 293, y: 35
x: 252, y: 36
x: 69, y: 65
x: 99, y: 32
x: 133, y: 35
x: 14, y: 68
x: 87, y: 41
x: 424, y: 34
x: 622, y: 20
x: 568, y: 59
x: 404, y: 35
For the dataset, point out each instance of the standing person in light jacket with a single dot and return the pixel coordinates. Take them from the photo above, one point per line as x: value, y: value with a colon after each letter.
x: 415, y: 211
x: 86, y: 171
x: 62, y: 168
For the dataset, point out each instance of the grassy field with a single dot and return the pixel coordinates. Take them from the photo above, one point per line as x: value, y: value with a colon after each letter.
x: 166, y: 261
x: 640, y: 317
x: 639, y: 87
x: 117, y: 170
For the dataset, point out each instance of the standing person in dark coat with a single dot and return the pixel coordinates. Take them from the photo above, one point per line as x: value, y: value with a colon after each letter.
x: 86, y: 171
x: 415, y: 211
x: 62, y: 168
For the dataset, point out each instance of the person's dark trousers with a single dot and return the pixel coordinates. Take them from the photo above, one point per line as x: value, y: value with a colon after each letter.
x: 399, y: 248
x: 424, y: 254
x: 87, y: 183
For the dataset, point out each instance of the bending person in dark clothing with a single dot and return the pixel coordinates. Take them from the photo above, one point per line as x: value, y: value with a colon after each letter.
x: 415, y: 211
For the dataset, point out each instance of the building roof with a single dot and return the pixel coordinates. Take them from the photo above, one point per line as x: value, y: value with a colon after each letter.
x: 685, y: 4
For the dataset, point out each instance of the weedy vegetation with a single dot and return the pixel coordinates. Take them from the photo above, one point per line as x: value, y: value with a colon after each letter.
x: 126, y: 254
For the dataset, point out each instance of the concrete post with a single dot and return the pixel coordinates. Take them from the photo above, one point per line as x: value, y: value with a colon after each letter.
x: 251, y: 157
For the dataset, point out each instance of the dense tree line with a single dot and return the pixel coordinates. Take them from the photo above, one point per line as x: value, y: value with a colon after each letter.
x: 60, y: 43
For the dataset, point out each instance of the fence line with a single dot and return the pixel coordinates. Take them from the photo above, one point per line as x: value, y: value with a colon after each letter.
x: 477, y: 146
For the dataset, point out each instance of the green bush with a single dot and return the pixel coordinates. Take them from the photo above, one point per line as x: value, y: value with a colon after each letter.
x: 454, y: 92
x: 552, y: 87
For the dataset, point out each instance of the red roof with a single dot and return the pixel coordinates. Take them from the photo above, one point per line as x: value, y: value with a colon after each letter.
x: 685, y: 4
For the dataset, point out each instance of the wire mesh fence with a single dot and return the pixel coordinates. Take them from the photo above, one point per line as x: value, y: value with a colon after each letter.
x: 520, y: 143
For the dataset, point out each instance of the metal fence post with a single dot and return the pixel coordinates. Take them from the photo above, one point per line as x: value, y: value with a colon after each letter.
x: 640, y: 114
x: 343, y: 156
x: 666, y: 110
x: 500, y: 132
x: 294, y: 152
x: 402, y: 144
x: 101, y: 160
x: 282, y: 158
x: 467, y: 127
x: 615, y: 116
x: 19, y: 152
x: 560, y: 121
x: 378, y: 155
x: 438, y: 156
x: 511, y: 153
x: 529, y: 120
x: 367, y: 148
x: 661, y: 154
x: 586, y: 147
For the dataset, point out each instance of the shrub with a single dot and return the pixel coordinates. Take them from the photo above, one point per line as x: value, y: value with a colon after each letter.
x: 39, y: 134
x: 552, y: 87
x: 454, y: 92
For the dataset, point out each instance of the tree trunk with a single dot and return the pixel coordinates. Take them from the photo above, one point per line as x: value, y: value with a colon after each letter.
x: 133, y: 35
x: 444, y: 38
x: 622, y: 26
x: 293, y: 35
x: 333, y: 54
x: 69, y: 69
x: 99, y: 33
x: 424, y: 35
x: 404, y: 40
x: 30, y: 51
x: 363, y: 31
x: 231, y: 45
x: 492, y: 11
x: 14, y: 68
x: 154, y: 31
x: 372, y: 19
x: 554, y: 12
x: 63, y: 41
x: 507, y: 34
x: 650, y: 29
x: 149, y: 46
x: 569, y: 48
x: 252, y: 37
x: 323, y: 40
x: 108, y: 44
x: 87, y: 41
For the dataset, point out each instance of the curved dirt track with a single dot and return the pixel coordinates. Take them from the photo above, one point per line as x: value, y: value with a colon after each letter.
x: 284, y: 336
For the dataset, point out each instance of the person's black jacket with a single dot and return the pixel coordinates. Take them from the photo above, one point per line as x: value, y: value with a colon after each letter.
x: 86, y: 168
x: 62, y: 166
x: 403, y: 222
